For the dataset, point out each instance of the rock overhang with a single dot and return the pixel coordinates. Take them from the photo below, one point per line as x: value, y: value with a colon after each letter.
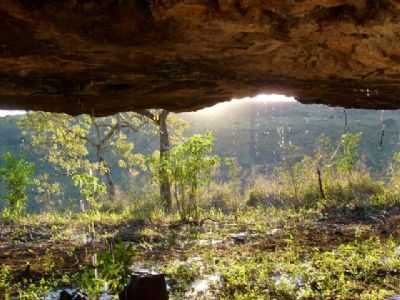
x: 104, y: 56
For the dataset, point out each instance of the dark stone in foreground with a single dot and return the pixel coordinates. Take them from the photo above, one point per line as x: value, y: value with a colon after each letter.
x: 76, y: 295
x: 143, y: 286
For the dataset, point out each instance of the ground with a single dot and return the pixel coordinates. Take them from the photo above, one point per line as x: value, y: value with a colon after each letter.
x: 263, y: 253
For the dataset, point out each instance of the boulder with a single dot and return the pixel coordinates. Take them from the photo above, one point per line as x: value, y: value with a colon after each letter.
x: 72, y: 295
x: 145, y: 286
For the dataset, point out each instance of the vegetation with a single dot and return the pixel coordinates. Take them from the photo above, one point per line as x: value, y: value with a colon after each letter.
x: 320, y: 223
x: 17, y: 176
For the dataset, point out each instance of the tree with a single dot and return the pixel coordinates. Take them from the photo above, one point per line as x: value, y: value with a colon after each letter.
x: 48, y: 191
x: 17, y: 174
x: 189, y: 167
x: 159, y: 118
x: 347, y: 159
x: 84, y: 147
x: 321, y: 157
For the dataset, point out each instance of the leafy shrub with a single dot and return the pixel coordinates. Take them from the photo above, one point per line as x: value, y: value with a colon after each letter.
x: 357, y: 190
x: 111, y: 269
x: 223, y: 196
x: 17, y: 174
x: 5, y: 280
x: 189, y: 167
x: 278, y: 191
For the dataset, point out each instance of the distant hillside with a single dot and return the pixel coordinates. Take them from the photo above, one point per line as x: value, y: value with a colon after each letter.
x: 254, y: 132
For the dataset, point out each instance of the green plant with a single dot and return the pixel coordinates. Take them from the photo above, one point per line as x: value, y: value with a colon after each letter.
x: 91, y: 188
x: 17, y: 174
x: 347, y: 159
x: 189, y: 166
x: 110, y: 269
x: 5, y: 281
x: 85, y: 147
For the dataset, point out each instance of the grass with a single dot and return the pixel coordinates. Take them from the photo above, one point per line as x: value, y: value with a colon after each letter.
x: 286, y: 254
x: 270, y: 241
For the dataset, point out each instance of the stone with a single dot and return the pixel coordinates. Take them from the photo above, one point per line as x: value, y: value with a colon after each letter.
x: 72, y: 295
x: 240, y: 238
x: 145, y: 286
x: 102, y: 57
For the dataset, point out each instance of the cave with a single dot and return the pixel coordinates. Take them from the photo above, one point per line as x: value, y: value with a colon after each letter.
x: 105, y: 56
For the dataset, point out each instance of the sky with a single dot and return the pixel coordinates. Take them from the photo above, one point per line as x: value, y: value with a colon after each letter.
x: 4, y: 113
x: 221, y: 107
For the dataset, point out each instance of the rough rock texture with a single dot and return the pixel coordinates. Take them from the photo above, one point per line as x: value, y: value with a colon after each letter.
x: 103, y: 56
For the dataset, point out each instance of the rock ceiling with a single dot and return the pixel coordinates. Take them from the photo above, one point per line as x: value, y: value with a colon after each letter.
x: 104, y: 56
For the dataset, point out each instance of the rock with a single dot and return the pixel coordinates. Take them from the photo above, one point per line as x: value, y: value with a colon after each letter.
x: 209, y: 242
x: 239, y: 238
x: 145, y: 286
x: 395, y: 297
x: 242, y: 237
x: 101, y: 57
x: 72, y: 295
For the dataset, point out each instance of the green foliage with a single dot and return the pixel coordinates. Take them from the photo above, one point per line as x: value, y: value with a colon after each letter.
x: 17, y: 175
x: 84, y: 148
x: 5, y: 281
x: 189, y: 166
x: 91, y: 188
x: 395, y: 173
x: 296, y: 183
x: 351, y: 270
x: 183, y: 275
x: 111, y: 270
x: 348, y: 157
x: 49, y: 192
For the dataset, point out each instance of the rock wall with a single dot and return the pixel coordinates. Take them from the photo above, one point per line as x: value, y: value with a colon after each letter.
x: 104, y: 56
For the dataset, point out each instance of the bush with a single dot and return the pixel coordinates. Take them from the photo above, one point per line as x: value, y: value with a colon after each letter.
x: 223, y: 196
x: 17, y: 175
x: 357, y: 190
x: 278, y: 192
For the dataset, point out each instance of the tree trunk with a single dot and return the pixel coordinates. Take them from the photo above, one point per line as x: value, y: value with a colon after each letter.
x: 165, y: 186
x: 107, y: 176
x: 321, y: 187
x: 100, y: 159
x: 253, y: 135
x: 110, y: 183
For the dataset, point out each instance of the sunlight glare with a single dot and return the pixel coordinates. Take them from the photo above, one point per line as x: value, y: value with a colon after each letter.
x: 272, y: 98
x: 5, y: 113
x: 264, y: 98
